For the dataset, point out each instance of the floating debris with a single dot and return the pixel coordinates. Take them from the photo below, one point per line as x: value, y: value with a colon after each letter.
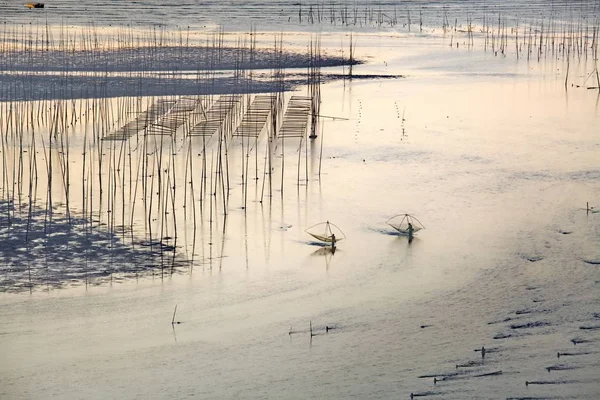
x: 591, y: 328
x: 570, y: 354
x: 502, y: 336
x: 528, y: 325
x: 560, y: 367
x: 284, y: 227
x: 534, y: 258
x: 470, y: 364
x: 423, y: 394
x: 580, y: 341
x: 520, y: 312
x: 488, y: 374
x: 508, y: 319
x: 527, y: 311
x: 441, y: 375
x: 528, y: 398
x: 527, y: 383
x: 34, y: 5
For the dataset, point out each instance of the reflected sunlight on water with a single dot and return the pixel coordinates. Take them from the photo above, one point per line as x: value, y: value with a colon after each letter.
x: 492, y: 155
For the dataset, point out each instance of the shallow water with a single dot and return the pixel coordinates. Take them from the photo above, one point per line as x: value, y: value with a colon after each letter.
x: 336, y: 15
x: 496, y: 160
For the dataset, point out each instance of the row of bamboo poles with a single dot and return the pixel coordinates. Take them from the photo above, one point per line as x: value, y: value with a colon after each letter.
x: 157, y: 174
x: 561, y: 31
x: 447, y: 17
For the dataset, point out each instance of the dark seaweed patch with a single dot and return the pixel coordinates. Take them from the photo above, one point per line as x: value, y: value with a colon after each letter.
x: 495, y: 373
x: 67, y: 251
x: 507, y: 319
x: 529, y: 398
x: 520, y: 312
x: 591, y: 328
x: 528, y: 325
x: 560, y: 367
x: 572, y: 354
x: 442, y: 375
x: 576, y: 341
x: 561, y: 382
x: 502, y: 336
x: 534, y: 258
x: 470, y: 364
x: 424, y: 394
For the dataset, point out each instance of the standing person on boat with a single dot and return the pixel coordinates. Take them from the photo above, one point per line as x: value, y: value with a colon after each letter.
x: 410, y: 232
x: 333, y: 241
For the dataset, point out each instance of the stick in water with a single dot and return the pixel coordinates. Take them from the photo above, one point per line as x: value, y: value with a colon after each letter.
x: 174, y: 312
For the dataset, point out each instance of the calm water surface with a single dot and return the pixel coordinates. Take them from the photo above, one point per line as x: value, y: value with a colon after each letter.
x: 243, y: 14
x: 496, y: 160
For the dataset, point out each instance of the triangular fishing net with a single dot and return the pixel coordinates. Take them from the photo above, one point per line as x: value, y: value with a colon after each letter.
x: 400, y: 223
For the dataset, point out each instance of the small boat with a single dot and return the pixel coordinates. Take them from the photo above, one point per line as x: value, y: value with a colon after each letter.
x: 400, y: 223
x: 325, y: 232
x: 34, y: 5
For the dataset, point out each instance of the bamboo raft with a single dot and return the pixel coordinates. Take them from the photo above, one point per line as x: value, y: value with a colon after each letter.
x: 143, y: 120
x: 256, y: 116
x: 216, y: 115
x: 295, y: 119
x: 175, y: 117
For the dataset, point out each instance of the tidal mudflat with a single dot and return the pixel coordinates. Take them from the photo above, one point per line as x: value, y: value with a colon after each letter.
x: 146, y: 168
